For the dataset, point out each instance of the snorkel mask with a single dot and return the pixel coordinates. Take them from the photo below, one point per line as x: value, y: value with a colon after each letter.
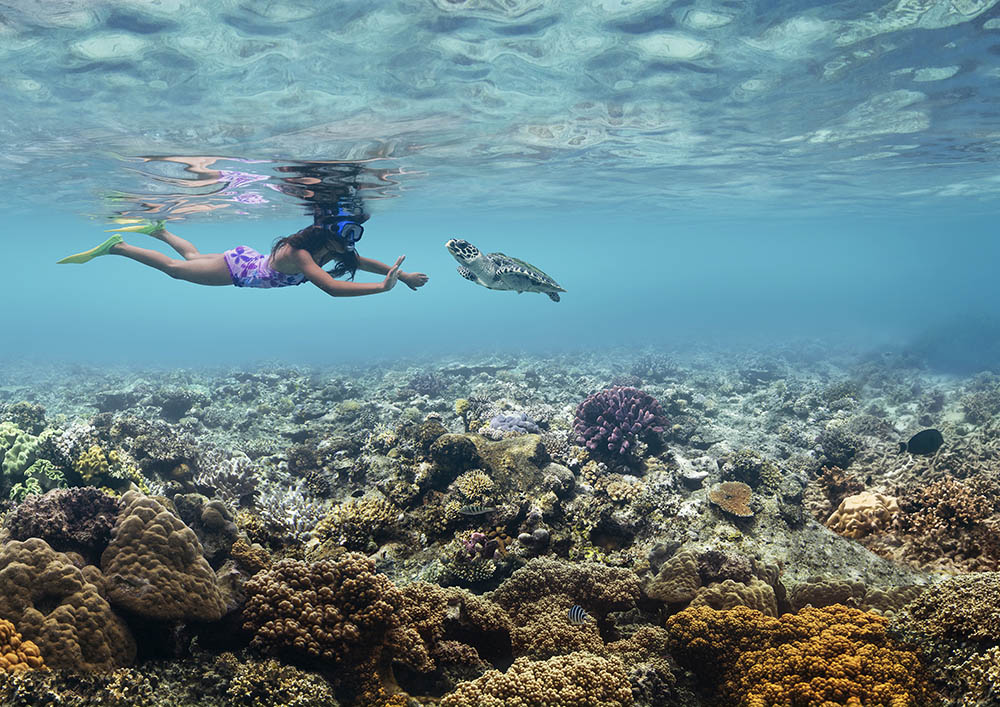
x: 342, y: 225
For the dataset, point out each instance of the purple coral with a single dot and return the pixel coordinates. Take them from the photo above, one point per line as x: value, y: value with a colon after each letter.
x: 613, y: 420
x: 517, y: 423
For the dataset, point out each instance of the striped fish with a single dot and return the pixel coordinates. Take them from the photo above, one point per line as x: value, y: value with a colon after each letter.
x: 475, y: 510
x: 577, y: 615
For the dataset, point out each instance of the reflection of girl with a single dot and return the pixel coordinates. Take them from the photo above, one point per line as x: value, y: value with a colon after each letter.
x: 292, y: 261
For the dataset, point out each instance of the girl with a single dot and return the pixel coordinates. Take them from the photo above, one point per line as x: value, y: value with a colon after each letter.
x: 293, y: 259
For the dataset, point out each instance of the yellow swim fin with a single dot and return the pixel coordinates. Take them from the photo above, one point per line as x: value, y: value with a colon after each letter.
x: 88, y: 255
x: 147, y: 227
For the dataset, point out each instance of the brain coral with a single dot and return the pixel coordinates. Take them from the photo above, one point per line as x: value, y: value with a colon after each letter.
x: 52, y: 604
x: 612, y: 421
x: 862, y: 514
x: 155, y: 566
x: 574, y: 680
x: 334, y: 610
x: 829, y: 656
x: 16, y: 654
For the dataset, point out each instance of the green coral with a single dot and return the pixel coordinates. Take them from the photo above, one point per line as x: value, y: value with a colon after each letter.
x: 18, y: 449
x: 40, y: 477
x: 112, y: 469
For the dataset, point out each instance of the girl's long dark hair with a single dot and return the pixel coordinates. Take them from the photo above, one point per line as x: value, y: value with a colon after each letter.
x: 316, y: 241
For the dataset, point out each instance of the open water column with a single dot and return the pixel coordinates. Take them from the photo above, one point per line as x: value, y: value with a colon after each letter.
x: 476, y: 353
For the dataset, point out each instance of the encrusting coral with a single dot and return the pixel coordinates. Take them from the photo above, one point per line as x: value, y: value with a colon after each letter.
x: 830, y: 656
x: 155, y: 567
x: 733, y: 497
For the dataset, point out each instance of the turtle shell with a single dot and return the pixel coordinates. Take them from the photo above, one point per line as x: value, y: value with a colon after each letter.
x: 506, y: 265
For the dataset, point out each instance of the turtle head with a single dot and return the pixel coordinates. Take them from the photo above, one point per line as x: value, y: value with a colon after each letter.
x: 462, y: 251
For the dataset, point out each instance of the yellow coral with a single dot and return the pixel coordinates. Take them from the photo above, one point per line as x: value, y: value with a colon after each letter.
x: 461, y: 406
x: 475, y: 485
x: 17, y: 655
x: 92, y: 464
x: 830, y: 656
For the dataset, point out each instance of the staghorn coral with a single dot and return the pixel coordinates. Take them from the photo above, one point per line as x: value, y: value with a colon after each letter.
x: 574, y: 680
x: 613, y: 421
x: 333, y: 610
x: 155, y: 566
x: 863, y: 514
x: 16, y: 654
x: 833, y: 655
x: 268, y: 683
x: 966, y: 608
x: 53, y: 604
x: 733, y: 497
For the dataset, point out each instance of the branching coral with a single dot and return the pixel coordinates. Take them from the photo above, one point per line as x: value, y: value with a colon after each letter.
x: 611, y: 422
x: 833, y: 655
x: 359, y: 522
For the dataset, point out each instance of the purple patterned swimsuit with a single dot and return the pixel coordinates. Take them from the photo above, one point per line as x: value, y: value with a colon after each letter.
x: 248, y: 268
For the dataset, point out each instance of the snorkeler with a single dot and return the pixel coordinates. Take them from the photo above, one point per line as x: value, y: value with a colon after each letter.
x: 293, y: 259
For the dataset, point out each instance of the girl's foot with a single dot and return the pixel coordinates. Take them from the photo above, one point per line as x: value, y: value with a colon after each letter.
x: 88, y: 255
x: 150, y: 228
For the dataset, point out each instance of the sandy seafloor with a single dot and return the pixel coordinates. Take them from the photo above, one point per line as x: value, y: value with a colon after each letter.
x: 392, y: 533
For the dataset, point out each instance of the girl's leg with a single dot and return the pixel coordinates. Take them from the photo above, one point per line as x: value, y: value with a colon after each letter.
x: 206, y: 269
x: 185, y: 248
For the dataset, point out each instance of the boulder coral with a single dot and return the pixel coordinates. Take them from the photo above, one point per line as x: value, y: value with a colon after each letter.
x: 155, y: 567
x: 53, y: 603
x: 863, y: 514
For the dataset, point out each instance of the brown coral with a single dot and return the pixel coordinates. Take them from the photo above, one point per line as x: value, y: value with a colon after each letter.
x: 863, y: 514
x: 596, y: 587
x: 54, y: 605
x: 728, y: 594
x: 677, y: 581
x: 574, y: 680
x: 17, y: 655
x: 733, y: 497
x: 833, y: 655
x: 335, y: 610
x: 154, y: 565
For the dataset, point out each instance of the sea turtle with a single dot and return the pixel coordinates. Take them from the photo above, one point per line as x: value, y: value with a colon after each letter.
x: 497, y: 271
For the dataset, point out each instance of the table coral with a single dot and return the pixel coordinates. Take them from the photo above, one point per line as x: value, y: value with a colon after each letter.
x: 574, y: 680
x: 834, y: 655
x: 16, y: 654
x: 53, y: 604
x: 863, y: 514
x: 155, y: 566
x: 733, y: 497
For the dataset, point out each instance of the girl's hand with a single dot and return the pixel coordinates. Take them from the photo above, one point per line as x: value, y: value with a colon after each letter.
x: 390, y: 277
x: 413, y: 280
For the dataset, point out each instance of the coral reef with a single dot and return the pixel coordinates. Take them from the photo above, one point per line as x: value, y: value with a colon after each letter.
x: 613, y: 421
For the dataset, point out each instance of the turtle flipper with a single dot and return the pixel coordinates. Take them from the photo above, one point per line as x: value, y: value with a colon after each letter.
x: 554, y: 296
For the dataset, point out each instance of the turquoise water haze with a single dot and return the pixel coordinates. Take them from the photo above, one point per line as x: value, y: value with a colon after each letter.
x: 720, y: 173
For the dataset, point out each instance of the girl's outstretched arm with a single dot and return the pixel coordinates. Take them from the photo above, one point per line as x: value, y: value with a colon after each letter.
x: 413, y: 280
x: 338, y: 288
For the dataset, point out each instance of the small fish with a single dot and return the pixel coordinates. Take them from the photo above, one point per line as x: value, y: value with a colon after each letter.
x: 475, y: 510
x: 926, y: 442
x: 577, y: 615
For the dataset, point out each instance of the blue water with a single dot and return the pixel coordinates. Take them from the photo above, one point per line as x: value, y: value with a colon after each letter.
x: 689, y: 172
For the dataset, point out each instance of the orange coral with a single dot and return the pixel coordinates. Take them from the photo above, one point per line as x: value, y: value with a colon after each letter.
x: 17, y: 655
x: 733, y: 497
x: 830, y: 656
